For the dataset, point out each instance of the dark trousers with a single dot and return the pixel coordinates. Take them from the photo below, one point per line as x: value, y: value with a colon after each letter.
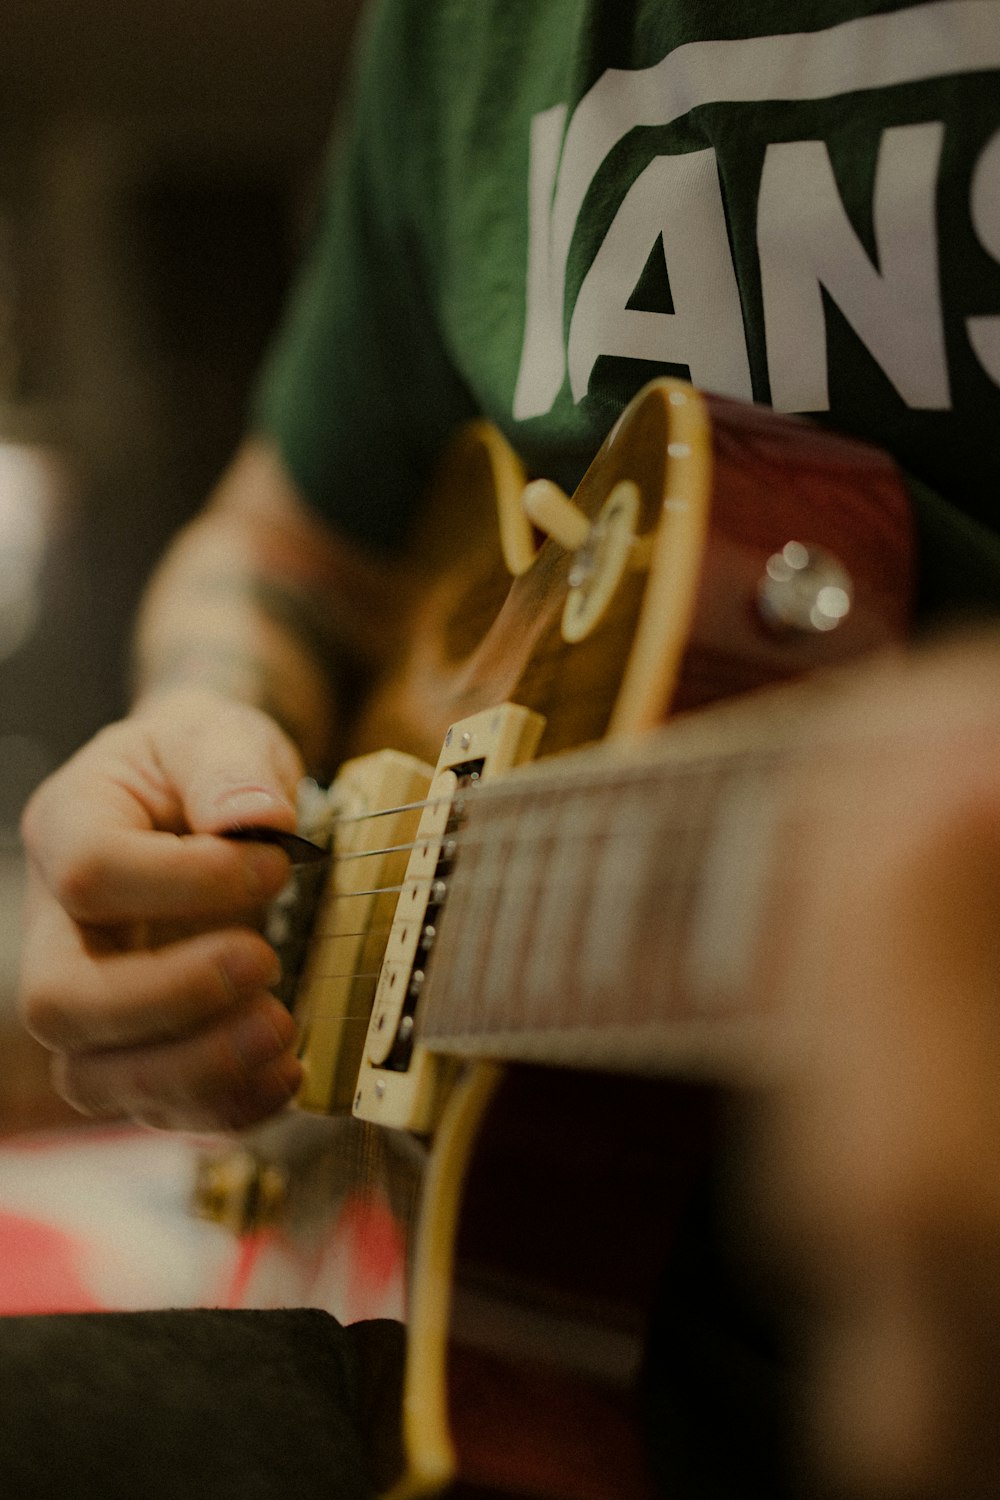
x: 229, y: 1405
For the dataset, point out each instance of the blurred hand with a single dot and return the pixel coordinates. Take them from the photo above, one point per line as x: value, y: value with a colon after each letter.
x: 143, y: 971
x: 884, y: 1125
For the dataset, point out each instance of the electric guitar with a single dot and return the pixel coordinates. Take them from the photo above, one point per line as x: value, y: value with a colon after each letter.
x: 534, y: 951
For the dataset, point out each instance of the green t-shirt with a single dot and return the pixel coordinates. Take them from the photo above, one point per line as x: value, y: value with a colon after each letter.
x: 537, y: 205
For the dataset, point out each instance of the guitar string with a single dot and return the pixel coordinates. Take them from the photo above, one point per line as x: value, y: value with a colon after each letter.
x: 343, y: 819
x: 575, y: 783
x: 371, y: 977
x: 497, y: 887
x: 491, y: 834
x: 666, y: 884
x: 520, y: 841
x: 622, y: 942
x: 628, y: 824
x: 571, y: 782
x: 490, y: 838
x: 618, y: 821
x: 597, y: 780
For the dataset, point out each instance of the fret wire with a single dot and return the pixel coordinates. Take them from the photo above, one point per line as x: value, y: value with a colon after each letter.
x: 542, y: 969
x: 534, y: 862
x: 371, y: 975
x: 568, y: 872
x: 470, y: 902
x: 516, y: 825
x: 615, y: 892
x: 331, y: 936
x: 678, y: 890
x: 508, y: 909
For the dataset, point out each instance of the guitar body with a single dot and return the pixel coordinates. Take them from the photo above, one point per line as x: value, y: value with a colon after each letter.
x: 578, y: 1190
x: 722, y: 487
x: 555, y: 1195
x: 712, y: 549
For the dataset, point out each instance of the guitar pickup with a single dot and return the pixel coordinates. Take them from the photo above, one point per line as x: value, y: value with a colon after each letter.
x: 400, y: 1083
x: 377, y: 800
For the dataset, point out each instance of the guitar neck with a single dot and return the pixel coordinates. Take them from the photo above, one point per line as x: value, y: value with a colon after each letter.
x: 605, y: 910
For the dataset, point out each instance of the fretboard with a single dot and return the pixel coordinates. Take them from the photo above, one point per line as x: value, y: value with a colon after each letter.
x: 606, y: 910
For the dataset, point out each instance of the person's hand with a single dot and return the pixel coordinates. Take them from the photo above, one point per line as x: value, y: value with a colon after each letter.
x: 883, y: 1176
x: 143, y: 970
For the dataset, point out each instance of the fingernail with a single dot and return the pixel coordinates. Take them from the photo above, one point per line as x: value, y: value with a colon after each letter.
x: 267, y: 868
x: 246, y: 804
x: 250, y: 969
x: 288, y: 1074
x: 262, y: 1035
x: 268, y: 1092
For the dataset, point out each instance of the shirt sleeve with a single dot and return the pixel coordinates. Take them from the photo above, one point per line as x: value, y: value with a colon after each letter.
x: 358, y: 391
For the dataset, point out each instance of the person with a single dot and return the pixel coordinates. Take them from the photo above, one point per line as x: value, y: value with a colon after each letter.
x: 531, y: 210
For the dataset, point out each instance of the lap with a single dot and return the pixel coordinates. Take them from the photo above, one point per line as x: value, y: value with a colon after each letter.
x: 242, y: 1405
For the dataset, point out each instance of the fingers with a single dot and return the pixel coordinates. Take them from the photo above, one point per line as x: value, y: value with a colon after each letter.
x: 102, y: 832
x: 184, y: 1035
x: 884, y: 1129
x: 228, y: 1076
x: 115, y: 875
x: 141, y: 967
x: 87, y: 990
x: 230, y: 764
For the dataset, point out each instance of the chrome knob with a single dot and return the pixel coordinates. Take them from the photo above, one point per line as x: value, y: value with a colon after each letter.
x: 804, y: 589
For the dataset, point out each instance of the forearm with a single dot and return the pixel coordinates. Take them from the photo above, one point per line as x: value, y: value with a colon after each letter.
x: 256, y: 599
x: 144, y: 969
x: 216, y: 617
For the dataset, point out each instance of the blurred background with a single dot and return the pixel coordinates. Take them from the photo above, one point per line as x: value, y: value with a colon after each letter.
x: 158, y: 161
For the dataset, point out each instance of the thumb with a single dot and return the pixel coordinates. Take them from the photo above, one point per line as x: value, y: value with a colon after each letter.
x: 231, y: 764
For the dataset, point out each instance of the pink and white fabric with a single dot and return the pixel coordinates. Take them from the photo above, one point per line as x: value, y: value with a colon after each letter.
x: 98, y: 1218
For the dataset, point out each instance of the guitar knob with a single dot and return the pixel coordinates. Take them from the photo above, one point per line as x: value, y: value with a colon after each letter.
x: 552, y: 511
x: 805, y: 590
